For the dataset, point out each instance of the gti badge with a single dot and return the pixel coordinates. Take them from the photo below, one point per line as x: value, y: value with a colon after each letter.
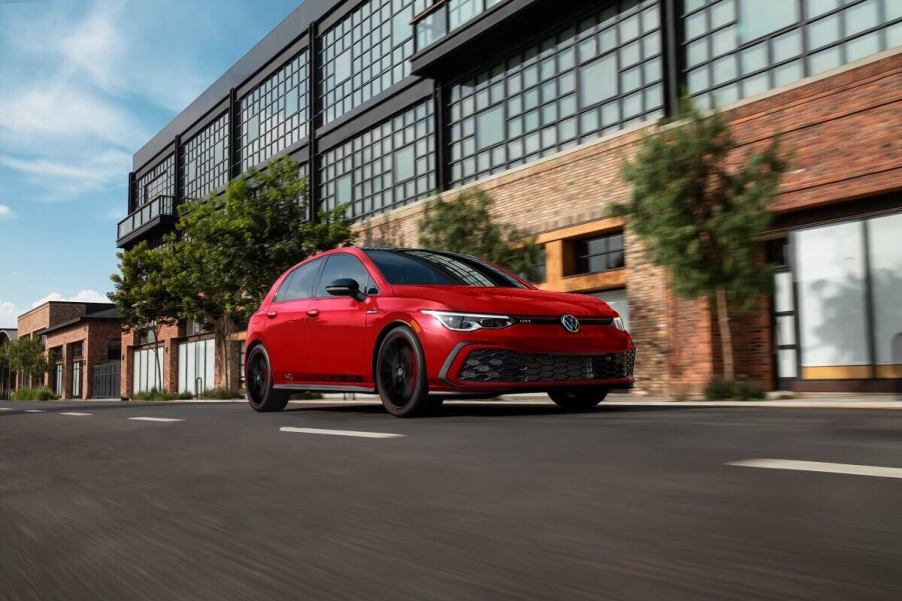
x: 570, y: 323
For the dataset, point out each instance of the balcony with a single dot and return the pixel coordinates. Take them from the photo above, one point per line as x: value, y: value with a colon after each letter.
x: 159, y: 212
x: 447, y: 30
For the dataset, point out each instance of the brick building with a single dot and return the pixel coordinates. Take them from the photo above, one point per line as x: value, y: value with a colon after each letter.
x: 539, y: 103
x: 83, y: 345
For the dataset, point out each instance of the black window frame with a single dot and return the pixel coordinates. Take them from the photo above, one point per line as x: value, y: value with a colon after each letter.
x: 581, y: 260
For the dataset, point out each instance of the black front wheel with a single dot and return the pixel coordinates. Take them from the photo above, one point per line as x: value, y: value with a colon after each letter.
x: 578, y: 399
x: 258, y: 375
x: 401, y: 374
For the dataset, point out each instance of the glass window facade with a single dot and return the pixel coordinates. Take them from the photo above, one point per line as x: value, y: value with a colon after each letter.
x: 364, y: 54
x: 448, y: 16
x: 205, y: 160
x: 603, y: 253
x: 388, y: 166
x: 274, y: 115
x: 739, y: 48
x: 848, y: 276
x: 593, y: 78
x: 159, y: 181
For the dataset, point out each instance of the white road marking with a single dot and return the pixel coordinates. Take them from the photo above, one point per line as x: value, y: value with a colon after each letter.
x: 342, y: 433
x: 75, y: 414
x: 35, y: 411
x: 6, y: 408
x: 817, y: 466
x: 155, y: 419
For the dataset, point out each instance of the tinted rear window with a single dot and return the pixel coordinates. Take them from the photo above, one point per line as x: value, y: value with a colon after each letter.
x: 418, y: 267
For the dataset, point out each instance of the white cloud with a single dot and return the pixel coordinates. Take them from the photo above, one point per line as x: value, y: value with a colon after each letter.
x: 83, y: 296
x: 6, y: 212
x: 8, y: 315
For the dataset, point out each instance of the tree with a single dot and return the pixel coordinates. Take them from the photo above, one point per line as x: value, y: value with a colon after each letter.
x: 697, y: 209
x: 232, y: 247
x: 145, y: 290
x: 465, y: 225
x: 26, y: 356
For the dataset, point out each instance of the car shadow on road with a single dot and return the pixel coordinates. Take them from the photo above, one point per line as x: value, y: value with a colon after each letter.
x: 487, y: 409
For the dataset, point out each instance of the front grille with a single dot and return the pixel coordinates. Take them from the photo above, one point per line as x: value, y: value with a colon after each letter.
x: 508, y: 366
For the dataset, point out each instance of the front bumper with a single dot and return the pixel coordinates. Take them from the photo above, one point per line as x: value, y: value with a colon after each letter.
x: 511, y: 367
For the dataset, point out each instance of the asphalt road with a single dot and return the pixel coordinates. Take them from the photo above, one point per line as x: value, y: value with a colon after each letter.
x: 487, y: 502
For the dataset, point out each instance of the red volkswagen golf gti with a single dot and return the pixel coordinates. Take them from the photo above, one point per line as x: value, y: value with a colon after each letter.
x: 416, y: 326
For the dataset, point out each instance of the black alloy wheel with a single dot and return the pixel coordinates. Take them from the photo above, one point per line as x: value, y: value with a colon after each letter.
x: 260, y: 392
x: 401, y: 374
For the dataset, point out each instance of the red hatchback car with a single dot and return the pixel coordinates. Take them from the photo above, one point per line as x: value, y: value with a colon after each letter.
x: 417, y: 326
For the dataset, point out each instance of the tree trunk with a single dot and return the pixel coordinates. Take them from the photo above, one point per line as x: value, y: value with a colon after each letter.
x: 726, y: 337
x: 223, y: 334
x: 156, y: 355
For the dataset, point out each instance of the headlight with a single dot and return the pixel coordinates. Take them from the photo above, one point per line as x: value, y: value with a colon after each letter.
x: 618, y: 323
x: 467, y: 322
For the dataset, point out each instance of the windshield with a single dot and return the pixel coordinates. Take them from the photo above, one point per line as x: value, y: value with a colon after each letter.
x: 421, y: 267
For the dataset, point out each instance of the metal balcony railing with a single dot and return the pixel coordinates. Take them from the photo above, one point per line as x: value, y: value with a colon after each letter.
x: 159, y: 205
x: 435, y: 19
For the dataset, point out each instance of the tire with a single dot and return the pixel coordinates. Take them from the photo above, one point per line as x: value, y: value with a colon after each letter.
x: 401, y: 374
x: 258, y: 375
x: 578, y: 399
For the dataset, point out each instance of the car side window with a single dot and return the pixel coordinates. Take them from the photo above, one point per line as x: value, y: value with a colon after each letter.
x: 299, y: 284
x: 343, y: 266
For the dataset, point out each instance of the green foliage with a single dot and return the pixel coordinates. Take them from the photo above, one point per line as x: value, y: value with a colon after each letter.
x: 721, y: 390
x: 697, y: 213
x: 232, y: 247
x: 155, y: 395
x: 465, y: 225
x: 220, y: 394
x: 33, y: 394
x: 143, y: 288
x: 26, y: 355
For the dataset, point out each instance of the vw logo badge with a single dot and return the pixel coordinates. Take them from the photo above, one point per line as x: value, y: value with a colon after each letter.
x: 570, y: 323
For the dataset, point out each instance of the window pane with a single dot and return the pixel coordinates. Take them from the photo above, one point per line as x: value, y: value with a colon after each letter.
x: 754, y: 59
x: 862, y: 16
x: 490, y: 127
x: 788, y: 73
x: 786, y: 334
x: 342, y: 266
x: 722, y: 13
x: 824, y: 60
x: 886, y: 277
x: 786, y: 364
x: 404, y: 164
x: 823, y: 32
x: 344, y: 189
x: 788, y: 45
x: 830, y: 274
x: 815, y: 8
x: 783, y: 292
x: 760, y: 17
x: 598, y: 80
x: 863, y: 46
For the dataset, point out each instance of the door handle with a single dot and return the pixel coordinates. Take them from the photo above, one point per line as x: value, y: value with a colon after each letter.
x: 312, y: 313
x: 272, y: 314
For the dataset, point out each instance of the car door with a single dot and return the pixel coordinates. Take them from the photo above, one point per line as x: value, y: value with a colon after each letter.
x: 336, y: 329
x: 286, y: 324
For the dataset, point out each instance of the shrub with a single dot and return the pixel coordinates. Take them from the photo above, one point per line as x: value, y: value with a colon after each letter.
x: 154, y: 395
x: 185, y: 396
x: 721, y: 390
x: 33, y: 394
x: 219, y: 394
x: 745, y: 391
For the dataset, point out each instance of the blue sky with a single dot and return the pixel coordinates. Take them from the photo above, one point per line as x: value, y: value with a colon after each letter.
x: 83, y: 84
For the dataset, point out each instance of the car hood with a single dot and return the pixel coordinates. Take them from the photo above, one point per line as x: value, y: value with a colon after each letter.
x: 514, y: 301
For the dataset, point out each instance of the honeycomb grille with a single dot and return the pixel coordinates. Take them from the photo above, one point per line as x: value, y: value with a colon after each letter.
x: 508, y: 366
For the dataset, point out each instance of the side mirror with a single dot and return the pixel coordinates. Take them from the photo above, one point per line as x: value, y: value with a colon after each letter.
x: 345, y: 287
